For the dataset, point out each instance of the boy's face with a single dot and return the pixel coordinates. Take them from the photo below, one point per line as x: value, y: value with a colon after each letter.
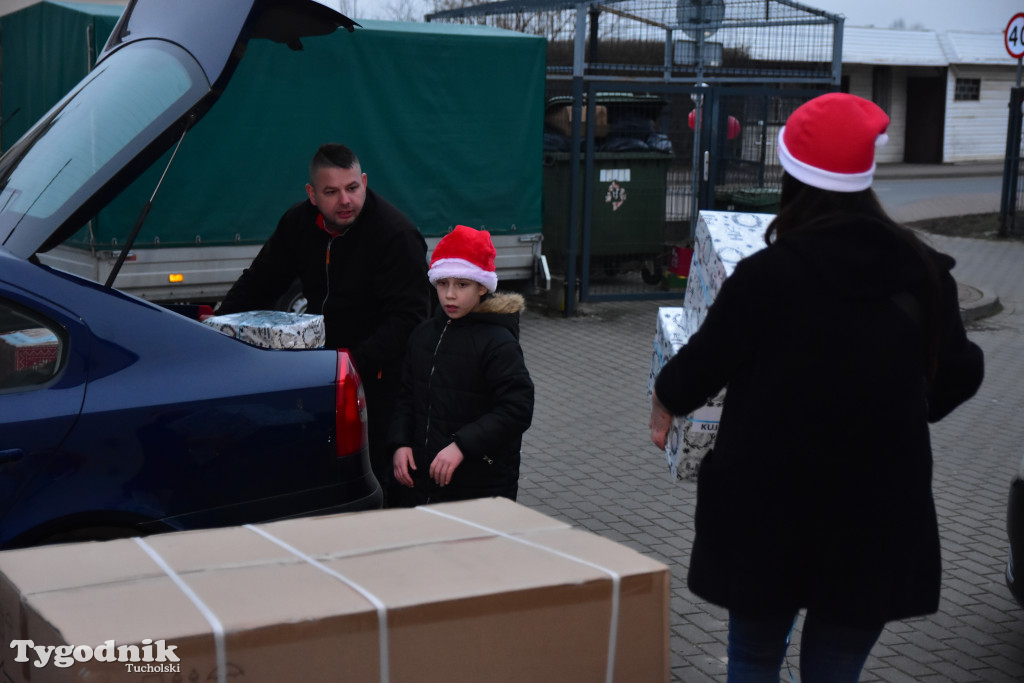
x: 457, y: 296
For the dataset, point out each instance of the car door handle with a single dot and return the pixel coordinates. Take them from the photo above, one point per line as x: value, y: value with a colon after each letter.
x: 11, y: 455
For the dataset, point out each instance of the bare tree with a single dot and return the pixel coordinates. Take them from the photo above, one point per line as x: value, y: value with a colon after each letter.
x: 404, y: 10
x: 442, y: 5
x: 547, y: 23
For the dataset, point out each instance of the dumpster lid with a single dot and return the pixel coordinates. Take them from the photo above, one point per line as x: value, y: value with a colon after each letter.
x: 634, y: 103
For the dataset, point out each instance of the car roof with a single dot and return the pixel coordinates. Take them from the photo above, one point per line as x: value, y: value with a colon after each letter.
x: 214, y: 35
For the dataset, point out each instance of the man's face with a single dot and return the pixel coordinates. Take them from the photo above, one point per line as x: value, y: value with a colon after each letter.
x: 339, y: 194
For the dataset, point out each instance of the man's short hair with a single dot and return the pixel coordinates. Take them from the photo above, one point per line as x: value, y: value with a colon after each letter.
x: 331, y: 155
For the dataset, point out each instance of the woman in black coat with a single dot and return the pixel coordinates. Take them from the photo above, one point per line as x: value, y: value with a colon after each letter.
x: 838, y: 344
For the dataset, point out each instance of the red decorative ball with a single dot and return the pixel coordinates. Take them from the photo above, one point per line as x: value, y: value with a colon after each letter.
x: 733, y: 128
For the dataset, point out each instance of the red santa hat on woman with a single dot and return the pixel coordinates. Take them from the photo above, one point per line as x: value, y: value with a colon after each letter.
x: 467, y: 254
x: 829, y: 142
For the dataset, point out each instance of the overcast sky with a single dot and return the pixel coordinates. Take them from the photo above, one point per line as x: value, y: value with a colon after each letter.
x: 939, y: 15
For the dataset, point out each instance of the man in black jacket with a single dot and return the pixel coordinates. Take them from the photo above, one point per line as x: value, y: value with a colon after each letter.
x: 362, y: 264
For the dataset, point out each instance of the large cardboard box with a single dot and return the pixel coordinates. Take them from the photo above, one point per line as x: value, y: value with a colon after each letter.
x: 475, y: 591
x: 560, y: 119
x: 721, y: 240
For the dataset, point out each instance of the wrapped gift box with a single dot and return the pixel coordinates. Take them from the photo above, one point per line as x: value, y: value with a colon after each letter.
x: 27, y: 350
x: 690, y: 436
x: 272, y: 329
x: 482, y: 590
x: 721, y: 239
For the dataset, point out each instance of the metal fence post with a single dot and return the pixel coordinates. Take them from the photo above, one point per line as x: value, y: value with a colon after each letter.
x: 1011, y: 165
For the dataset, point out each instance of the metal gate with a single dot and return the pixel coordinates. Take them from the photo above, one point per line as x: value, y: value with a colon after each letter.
x: 657, y: 109
x: 652, y: 158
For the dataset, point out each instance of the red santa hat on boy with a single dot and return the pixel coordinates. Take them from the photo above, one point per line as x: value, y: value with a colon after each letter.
x: 465, y: 253
x: 829, y: 142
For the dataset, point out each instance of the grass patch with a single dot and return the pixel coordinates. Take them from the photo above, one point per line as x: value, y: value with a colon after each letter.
x: 978, y: 226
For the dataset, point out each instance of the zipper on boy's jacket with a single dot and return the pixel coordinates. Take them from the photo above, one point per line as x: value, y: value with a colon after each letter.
x: 430, y: 378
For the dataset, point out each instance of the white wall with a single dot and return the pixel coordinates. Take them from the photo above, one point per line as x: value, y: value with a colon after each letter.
x: 976, y: 131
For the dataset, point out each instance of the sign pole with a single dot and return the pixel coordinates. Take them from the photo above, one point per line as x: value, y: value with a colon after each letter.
x: 1013, y: 40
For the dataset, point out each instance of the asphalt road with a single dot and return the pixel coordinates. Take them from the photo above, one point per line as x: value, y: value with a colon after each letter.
x: 897, y: 193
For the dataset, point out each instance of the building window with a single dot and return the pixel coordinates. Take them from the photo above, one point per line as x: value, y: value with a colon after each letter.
x: 967, y: 90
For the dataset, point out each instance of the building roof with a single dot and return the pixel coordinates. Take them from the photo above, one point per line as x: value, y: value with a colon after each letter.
x: 901, y: 47
x: 967, y: 47
x: 892, y: 46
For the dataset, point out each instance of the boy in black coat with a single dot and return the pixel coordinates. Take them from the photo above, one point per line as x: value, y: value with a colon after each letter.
x: 466, y: 396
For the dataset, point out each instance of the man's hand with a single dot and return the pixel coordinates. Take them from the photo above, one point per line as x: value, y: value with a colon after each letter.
x: 403, y: 462
x: 443, y: 467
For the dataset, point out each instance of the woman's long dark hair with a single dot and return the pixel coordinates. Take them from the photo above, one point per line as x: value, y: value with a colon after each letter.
x: 803, y: 207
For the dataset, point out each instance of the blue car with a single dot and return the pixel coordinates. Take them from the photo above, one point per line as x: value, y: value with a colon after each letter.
x: 122, y: 417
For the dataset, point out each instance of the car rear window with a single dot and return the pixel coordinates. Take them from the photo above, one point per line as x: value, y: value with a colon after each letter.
x: 31, y: 348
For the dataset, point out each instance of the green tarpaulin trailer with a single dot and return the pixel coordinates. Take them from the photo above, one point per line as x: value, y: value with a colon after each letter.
x: 447, y: 121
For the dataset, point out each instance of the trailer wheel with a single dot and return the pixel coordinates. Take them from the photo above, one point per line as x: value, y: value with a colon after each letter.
x: 293, y: 301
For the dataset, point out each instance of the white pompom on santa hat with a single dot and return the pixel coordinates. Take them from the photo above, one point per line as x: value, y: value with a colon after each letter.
x: 465, y: 253
x: 829, y: 142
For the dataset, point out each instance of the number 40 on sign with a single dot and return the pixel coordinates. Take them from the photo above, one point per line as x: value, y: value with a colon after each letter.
x: 1014, y: 36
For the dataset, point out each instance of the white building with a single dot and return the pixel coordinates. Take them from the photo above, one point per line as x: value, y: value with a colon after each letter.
x: 946, y: 93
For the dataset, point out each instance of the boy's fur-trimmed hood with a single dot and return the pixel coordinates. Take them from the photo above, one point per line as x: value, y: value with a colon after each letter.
x: 502, y: 302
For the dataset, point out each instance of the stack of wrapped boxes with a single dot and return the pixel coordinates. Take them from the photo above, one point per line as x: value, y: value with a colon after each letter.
x: 721, y: 240
x: 273, y: 329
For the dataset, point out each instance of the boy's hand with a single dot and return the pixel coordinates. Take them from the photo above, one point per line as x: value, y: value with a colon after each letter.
x: 444, y: 464
x: 403, y: 462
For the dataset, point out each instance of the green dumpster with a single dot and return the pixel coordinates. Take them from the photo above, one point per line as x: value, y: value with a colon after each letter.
x: 627, y: 205
x: 756, y: 200
x: 723, y: 200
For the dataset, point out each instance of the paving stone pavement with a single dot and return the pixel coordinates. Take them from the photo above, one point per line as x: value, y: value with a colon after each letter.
x: 588, y: 460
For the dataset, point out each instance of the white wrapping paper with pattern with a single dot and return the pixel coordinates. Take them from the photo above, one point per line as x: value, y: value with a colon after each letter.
x: 722, y: 238
x: 272, y: 329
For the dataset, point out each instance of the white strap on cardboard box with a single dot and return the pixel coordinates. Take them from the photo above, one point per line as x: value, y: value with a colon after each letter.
x: 215, y: 625
x: 613, y: 627
x: 218, y: 628
x: 382, y: 610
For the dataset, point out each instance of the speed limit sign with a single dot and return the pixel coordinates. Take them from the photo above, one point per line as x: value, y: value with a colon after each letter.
x: 1014, y: 36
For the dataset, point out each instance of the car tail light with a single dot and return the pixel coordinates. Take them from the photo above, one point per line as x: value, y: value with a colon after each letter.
x: 350, y: 409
